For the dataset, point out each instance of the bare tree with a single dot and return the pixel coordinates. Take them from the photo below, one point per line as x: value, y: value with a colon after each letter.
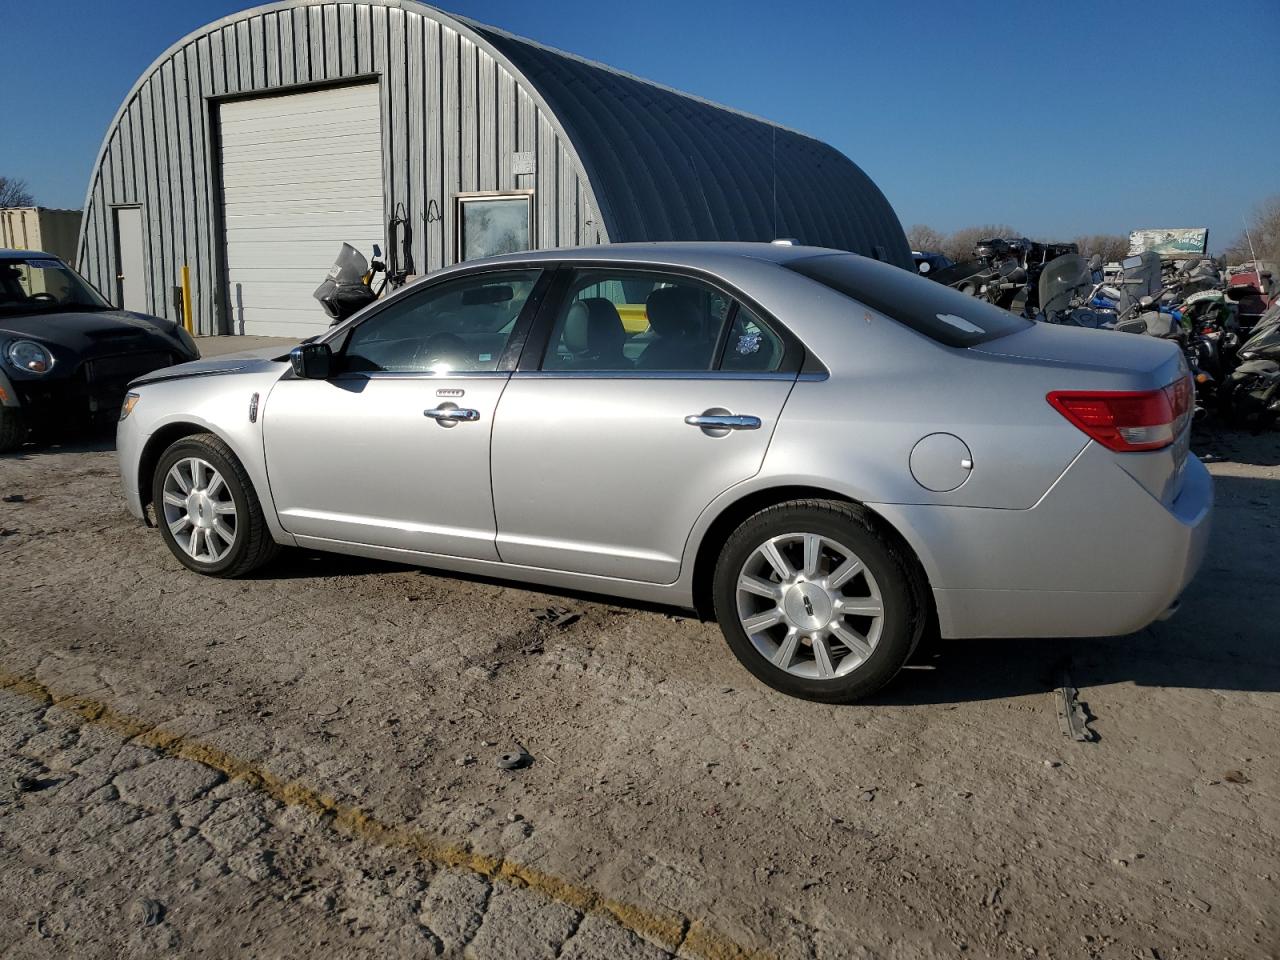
x: 1110, y: 246
x: 14, y: 193
x: 924, y: 237
x: 1264, y: 230
x: 959, y: 246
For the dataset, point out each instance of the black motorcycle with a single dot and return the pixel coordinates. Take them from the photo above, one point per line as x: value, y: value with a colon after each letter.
x: 1251, y: 392
x: 349, y: 285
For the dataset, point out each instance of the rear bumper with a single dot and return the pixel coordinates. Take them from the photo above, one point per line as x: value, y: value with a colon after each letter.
x: 1097, y: 556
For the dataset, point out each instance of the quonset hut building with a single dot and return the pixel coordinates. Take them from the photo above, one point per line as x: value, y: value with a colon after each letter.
x: 254, y: 147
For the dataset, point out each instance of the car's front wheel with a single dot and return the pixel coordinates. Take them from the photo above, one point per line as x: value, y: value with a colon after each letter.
x: 207, y: 510
x: 816, y: 602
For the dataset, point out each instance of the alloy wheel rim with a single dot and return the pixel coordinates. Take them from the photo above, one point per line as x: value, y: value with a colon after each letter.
x: 810, y: 606
x: 199, y: 510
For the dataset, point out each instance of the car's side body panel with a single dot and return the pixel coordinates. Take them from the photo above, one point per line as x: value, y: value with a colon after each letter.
x: 1073, y: 565
x: 356, y: 459
x: 219, y: 404
x: 601, y: 474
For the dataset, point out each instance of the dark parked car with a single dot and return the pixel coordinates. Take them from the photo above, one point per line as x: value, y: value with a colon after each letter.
x: 66, y: 355
x: 929, y: 263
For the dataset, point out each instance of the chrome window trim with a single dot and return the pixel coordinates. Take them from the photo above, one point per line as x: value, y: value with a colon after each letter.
x: 421, y: 375
x: 656, y: 375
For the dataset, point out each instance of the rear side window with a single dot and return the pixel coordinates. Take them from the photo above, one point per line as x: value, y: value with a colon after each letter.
x: 937, y: 311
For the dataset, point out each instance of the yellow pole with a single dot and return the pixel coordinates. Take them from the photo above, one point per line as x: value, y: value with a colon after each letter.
x: 186, y: 298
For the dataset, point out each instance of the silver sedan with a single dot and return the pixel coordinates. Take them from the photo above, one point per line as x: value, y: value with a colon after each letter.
x: 829, y: 455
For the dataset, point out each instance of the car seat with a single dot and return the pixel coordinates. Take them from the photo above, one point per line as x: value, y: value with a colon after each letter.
x: 673, y: 318
x: 594, y: 335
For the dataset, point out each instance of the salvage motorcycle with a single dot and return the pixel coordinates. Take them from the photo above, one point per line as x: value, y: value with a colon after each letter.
x: 1251, y: 392
x: 349, y: 285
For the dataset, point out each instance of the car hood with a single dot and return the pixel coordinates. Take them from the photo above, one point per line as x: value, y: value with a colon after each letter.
x: 76, y: 330
x: 1082, y: 347
x: 248, y: 361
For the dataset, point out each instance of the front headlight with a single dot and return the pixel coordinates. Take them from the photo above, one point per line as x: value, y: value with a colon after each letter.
x: 130, y: 401
x: 29, y: 356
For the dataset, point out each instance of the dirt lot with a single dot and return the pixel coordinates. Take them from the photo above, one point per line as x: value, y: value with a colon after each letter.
x: 305, y: 764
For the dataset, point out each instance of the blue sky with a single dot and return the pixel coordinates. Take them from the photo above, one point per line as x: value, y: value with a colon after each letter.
x: 1059, y: 119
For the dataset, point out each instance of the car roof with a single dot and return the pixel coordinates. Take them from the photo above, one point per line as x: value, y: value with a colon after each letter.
x: 687, y: 253
x: 34, y: 254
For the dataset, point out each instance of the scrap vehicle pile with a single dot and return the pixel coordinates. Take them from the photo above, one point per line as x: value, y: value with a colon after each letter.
x: 1227, y: 322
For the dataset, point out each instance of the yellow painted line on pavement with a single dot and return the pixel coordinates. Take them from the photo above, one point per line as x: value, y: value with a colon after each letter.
x: 691, y: 938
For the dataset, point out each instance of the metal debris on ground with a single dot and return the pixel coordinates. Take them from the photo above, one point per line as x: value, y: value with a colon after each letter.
x: 146, y: 911
x: 557, y: 616
x: 15, y: 498
x: 1073, y: 717
x: 514, y: 761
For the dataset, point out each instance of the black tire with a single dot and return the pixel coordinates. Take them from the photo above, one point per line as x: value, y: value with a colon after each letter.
x: 253, y: 545
x: 903, y: 594
x: 13, y: 429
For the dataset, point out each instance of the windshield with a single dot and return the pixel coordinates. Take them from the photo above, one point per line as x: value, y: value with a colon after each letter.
x: 1062, y: 280
x: 1141, y: 280
x: 938, y: 312
x: 43, y: 285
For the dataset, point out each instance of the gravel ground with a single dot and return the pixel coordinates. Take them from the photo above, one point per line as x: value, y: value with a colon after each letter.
x: 305, y: 764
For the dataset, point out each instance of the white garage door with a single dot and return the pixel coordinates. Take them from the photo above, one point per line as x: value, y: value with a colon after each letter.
x: 301, y: 175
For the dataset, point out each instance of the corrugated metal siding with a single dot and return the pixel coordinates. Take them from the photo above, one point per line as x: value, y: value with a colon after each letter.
x: 667, y: 166
x: 616, y: 157
x: 452, y: 116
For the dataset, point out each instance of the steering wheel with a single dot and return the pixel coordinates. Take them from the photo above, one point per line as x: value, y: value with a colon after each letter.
x: 43, y: 297
x: 441, y: 348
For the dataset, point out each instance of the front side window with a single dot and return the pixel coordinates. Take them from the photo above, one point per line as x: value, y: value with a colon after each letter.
x: 617, y: 321
x: 458, y: 326
x: 493, y: 225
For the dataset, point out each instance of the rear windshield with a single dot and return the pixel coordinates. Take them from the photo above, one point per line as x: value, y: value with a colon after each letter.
x: 937, y: 311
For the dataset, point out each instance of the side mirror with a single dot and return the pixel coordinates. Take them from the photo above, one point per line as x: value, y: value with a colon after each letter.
x: 924, y: 266
x: 312, y: 361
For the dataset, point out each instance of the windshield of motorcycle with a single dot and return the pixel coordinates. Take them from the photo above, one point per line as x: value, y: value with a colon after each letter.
x: 350, y: 267
x: 1062, y: 280
x: 1263, y: 339
x: 1267, y: 328
x: 30, y: 285
x: 1140, y: 281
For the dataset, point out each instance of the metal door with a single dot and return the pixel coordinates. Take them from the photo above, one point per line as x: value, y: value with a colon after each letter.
x: 301, y: 175
x: 605, y: 475
x: 393, y: 450
x: 131, y: 272
x: 376, y: 460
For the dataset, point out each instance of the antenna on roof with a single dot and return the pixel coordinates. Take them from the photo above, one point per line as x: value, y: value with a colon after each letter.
x: 1257, y: 267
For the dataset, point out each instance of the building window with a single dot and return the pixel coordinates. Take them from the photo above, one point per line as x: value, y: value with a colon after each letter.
x: 493, y: 223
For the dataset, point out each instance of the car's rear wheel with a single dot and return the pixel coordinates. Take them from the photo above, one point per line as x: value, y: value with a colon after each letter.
x: 816, y: 602
x: 207, y: 510
x: 13, y: 429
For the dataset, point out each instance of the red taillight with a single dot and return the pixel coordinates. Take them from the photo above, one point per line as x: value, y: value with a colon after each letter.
x: 1126, y: 421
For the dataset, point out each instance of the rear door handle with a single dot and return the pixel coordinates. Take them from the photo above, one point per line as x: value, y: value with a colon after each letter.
x: 450, y: 415
x: 722, y: 422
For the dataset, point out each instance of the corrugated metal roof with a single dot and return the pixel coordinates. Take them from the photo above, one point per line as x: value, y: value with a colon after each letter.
x: 665, y: 165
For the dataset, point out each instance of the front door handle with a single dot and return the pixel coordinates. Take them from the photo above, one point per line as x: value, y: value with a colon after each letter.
x: 450, y: 414
x: 723, y: 422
